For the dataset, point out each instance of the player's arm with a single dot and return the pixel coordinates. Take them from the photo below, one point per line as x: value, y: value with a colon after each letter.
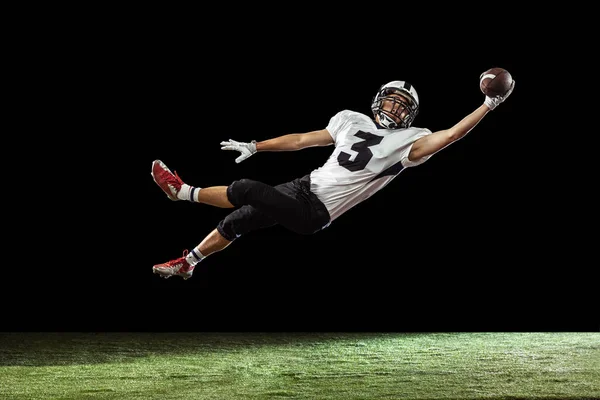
x: 436, y: 141
x: 296, y: 141
x: 289, y: 142
x: 427, y: 145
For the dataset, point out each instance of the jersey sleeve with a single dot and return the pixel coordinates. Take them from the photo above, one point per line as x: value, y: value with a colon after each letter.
x: 421, y: 132
x: 336, y: 123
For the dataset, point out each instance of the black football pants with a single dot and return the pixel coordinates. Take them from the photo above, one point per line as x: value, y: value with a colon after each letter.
x: 259, y: 205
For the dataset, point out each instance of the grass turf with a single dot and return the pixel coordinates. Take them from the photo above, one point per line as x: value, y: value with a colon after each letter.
x: 226, y: 366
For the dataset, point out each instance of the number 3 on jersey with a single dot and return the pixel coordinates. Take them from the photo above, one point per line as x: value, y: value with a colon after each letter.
x: 362, y: 148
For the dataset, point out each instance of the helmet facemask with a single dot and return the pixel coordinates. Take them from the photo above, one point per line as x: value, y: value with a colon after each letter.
x: 393, y: 119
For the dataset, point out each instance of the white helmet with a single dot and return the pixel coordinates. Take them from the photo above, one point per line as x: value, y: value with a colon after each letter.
x: 386, y: 118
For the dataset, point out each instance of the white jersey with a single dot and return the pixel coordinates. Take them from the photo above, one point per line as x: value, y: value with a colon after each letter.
x: 365, y: 159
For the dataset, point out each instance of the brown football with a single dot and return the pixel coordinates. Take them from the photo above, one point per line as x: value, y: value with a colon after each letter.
x: 495, y: 82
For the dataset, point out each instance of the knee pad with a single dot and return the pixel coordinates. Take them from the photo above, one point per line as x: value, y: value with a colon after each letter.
x: 226, y: 231
x: 236, y: 191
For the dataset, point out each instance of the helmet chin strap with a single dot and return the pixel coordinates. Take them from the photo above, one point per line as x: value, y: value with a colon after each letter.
x: 386, y: 121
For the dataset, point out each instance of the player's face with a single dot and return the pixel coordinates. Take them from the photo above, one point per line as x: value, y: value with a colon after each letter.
x: 395, y: 106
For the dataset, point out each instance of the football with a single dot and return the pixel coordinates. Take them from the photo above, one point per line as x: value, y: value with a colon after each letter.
x: 495, y: 82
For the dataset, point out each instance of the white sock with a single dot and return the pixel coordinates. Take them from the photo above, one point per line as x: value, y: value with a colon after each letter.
x: 189, y: 193
x: 194, y: 256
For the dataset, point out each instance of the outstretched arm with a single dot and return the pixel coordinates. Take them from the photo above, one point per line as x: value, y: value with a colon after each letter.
x: 430, y: 144
x: 290, y: 142
x: 296, y: 141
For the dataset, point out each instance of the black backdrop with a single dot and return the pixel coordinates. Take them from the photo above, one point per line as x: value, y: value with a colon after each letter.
x: 477, y: 238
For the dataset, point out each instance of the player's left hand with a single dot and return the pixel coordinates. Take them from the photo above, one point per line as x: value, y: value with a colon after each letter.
x: 246, y: 149
x: 493, y: 102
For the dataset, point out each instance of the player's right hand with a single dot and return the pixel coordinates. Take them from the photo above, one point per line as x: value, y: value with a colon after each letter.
x: 493, y: 102
x: 246, y: 149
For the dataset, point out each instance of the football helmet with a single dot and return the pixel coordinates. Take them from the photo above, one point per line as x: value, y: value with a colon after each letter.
x: 396, y: 118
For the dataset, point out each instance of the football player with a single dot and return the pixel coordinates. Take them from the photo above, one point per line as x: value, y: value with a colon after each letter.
x: 368, y: 153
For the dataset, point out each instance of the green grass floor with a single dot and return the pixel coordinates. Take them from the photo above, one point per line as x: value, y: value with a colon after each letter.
x: 319, y: 366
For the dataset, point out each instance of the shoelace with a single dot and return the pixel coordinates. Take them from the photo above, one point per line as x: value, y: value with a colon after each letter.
x: 177, y: 261
x: 177, y: 176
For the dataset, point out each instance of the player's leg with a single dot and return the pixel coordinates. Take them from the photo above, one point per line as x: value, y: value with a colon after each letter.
x: 184, y: 266
x: 289, y: 204
x: 240, y: 221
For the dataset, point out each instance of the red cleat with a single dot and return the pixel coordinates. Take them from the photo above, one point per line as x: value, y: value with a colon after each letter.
x: 170, y: 183
x: 177, y: 267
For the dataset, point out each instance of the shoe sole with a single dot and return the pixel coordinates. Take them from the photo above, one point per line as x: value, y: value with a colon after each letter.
x: 162, y: 275
x: 168, y: 275
x: 163, y: 166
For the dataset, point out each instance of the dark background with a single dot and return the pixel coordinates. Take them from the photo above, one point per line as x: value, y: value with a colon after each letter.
x: 483, y: 236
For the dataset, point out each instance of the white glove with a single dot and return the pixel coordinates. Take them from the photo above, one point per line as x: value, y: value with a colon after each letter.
x: 247, y: 149
x: 493, y: 102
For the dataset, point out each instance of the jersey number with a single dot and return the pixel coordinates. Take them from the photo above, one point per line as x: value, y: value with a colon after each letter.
x: 362, y: 148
